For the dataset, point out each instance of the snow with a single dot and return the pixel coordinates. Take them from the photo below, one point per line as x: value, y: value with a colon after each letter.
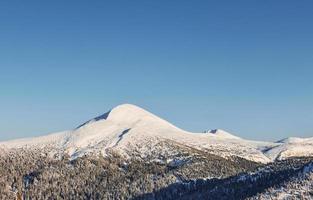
x: 291, y: 147
x: 128, y: 128
x: 38, y: 142
x: 222, y: 133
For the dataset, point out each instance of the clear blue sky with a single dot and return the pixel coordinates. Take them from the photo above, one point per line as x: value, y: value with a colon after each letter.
x: 243, y: 66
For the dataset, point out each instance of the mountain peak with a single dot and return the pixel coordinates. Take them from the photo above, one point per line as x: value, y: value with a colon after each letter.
x: 126, y: 106
x: 222, y: 133
x: 128, y: 113
x: 128, y: 109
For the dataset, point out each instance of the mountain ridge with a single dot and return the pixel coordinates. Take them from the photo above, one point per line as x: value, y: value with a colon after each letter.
x: 128, y: 128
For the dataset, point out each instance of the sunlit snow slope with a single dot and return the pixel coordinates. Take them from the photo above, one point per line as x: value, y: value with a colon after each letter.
x: 128, y: 129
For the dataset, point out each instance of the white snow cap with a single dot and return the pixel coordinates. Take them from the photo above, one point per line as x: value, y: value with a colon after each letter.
x: 129, y: 115
x: 124, y: 113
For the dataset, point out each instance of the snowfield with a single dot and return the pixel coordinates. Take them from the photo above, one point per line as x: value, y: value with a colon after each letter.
x: 128, y: 129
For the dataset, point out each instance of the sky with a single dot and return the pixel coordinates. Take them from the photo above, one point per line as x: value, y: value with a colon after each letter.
x: 242, y: 66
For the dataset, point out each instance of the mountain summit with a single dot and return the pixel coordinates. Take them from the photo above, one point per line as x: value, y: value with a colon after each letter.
x: 222, y: 133
x: 129, y: 115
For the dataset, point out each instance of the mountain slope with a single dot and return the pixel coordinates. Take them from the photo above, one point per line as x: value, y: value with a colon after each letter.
x: 288, y: 179
x: 130, y: 153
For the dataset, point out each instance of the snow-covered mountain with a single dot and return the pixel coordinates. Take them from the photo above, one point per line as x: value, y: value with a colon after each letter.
x: 129, y: 129
x: 291, y: 147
